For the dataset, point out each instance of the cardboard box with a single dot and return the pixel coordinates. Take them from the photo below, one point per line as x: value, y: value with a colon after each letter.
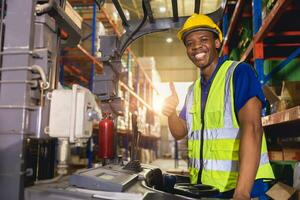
x: 290, y: 93
x: 281, y: 191
x: 287, y: 154
x: 291, y: 154
x: 271, y: 94
x: 275, y: 155
x: 77, y: 19
x: 288, y: 97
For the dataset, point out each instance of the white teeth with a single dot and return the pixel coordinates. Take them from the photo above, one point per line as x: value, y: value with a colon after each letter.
x: 199, y: 56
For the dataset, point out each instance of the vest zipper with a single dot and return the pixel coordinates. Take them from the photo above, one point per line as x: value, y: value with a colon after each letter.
x: 202, y: 127
x: 201, y: 148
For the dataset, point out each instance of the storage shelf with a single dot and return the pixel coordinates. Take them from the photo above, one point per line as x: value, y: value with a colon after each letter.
x: 104, y: 17
x: 234, y: 19
x: 285, y: 155
x: 74, y: 73
x: 289, y: 115
x: 279, y: 33
x: 77, y: 64
x: 138, y: 97
x: 83, y: 54
x: 272, y: 18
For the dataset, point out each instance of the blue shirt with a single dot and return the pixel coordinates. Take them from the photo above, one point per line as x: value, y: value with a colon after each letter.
x: 245, y: 86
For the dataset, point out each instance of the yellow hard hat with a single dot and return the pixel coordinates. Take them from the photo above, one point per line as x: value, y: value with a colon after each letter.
x: 199, y: 22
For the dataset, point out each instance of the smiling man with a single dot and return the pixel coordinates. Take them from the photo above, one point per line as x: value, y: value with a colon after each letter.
x: 221, y: 117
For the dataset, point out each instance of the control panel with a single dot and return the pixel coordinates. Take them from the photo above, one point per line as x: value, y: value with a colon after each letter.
x: 108, y: 178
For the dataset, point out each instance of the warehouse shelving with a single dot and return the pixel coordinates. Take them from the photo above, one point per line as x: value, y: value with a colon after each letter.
x: 287, y: 116
x: 276, y: 37
x: 82, y: 54
x: 284, y: 124
x: 142, y: 85
x: 142, y: 88
x: 81, y: 60
x: 262, y: 31
x: 103, y: 16
x: 116, y: 30
x: 279, y: 9
x: 72, y: 69
x: 229, y: 30
x: 130, y: 90
x: 139, y: 66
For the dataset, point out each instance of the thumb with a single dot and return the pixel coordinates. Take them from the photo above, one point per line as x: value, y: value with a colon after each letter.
x: 172, y: 88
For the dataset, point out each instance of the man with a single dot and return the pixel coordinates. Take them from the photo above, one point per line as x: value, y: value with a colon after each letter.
x: 221, y: 117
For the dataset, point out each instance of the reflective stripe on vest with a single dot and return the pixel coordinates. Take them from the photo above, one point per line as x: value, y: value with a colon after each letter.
x: 223, y: 165
x: 221, y: 133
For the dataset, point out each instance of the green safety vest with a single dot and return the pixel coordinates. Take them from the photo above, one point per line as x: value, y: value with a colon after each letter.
x: 219, y: 131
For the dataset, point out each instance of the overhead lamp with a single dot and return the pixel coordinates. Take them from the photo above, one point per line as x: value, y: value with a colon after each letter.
x: 169, y: 40
x: 162, y: 9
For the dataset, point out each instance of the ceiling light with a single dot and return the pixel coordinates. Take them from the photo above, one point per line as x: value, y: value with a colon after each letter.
x: 162, y: 9
x: 169, y: 40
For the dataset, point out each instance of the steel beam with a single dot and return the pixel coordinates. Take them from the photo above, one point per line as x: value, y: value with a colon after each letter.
x: 197, y: 6
x: 175, y: 10
x: 281, y: 65
x: 121, y: 13
x: 258, y: 48
x: 149, y: 11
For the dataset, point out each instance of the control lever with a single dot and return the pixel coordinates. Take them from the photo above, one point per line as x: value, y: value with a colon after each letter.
x: 135, y: 138
x: 134, y: 164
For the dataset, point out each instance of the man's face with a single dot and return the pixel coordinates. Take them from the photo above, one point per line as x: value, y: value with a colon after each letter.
x: 201, y: 47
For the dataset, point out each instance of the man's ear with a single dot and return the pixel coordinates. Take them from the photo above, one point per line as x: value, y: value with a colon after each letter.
x: 217, y: 43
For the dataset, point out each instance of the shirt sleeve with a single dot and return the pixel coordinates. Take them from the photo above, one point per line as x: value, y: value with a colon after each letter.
x: 246, y: 86
x: 182, y: 113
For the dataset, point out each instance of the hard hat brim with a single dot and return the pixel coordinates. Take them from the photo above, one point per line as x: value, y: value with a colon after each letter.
x: 199, y: 29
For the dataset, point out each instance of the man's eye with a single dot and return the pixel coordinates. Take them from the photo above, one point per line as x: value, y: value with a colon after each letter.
x: 204, y: 40
x: 189, y: 44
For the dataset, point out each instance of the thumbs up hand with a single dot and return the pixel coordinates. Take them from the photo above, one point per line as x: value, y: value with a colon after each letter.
x: 170, y: 102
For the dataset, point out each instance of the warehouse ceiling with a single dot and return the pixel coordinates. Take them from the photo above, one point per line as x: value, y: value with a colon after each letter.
x: 169, y: 53
x: 163, y: 8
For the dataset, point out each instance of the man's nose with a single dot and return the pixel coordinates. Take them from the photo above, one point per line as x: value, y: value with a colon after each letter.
x: 197, y: 45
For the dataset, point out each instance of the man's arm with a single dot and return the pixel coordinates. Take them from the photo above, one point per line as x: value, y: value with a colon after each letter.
x: 250, y: 147
x: 177, y: 125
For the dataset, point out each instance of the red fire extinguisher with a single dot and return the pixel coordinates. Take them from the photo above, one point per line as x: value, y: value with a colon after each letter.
x: 106, y: 137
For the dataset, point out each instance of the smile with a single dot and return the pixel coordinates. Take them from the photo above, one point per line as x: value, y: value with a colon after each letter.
x: 200, y: 56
